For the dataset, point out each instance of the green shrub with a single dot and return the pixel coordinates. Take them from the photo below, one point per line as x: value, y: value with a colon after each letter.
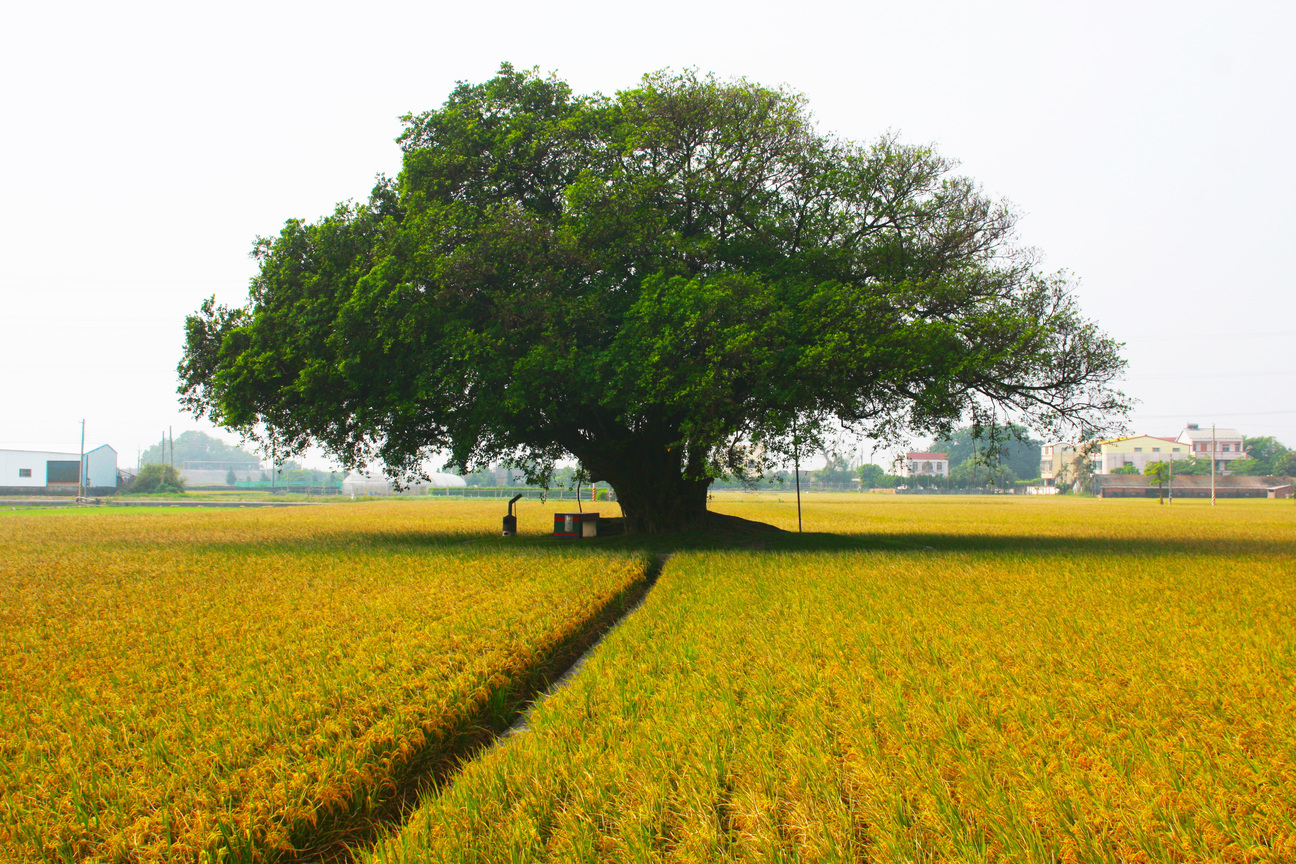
x: 158, y: 478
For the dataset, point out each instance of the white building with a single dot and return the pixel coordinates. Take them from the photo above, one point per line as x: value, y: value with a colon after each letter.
x: 247, y: 471
x: 358, y: 484
x: 1134, y: 452
x: 1229, y: 444
x: 918, y: 464
x: 46, y: 469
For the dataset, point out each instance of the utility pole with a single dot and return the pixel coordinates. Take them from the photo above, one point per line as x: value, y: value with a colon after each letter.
x: 796, y: 464
x: 81, y: 473
x: 1212, y: 464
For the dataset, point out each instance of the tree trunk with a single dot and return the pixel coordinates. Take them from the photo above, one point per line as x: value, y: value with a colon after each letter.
x: 652, y: 490
x: 657, y: 505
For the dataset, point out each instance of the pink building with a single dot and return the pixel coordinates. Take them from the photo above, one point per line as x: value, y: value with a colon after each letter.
x: 1228, y: 444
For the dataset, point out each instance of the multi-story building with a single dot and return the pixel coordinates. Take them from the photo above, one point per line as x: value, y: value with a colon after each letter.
x: 1136, y: 451
x: 1229, y: 444
x: 1057, y: 463
x: 924, y: 465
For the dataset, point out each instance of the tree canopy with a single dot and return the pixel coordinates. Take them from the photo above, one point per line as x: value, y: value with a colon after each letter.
x: 979, y: 471
x: 1264, y: 456
x: 1009, y: 445
x: 194, y: 446
x: 683, y: 280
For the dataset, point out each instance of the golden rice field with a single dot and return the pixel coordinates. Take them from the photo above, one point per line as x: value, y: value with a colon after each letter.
x: 230, y: 685
x: 961, y: 680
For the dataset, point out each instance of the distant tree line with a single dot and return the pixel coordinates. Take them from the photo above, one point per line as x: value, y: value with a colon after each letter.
x: 978, y: 458
x: 1266, y: 457
x: 195, y: 446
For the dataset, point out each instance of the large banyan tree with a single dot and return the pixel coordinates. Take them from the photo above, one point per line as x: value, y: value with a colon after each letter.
x: 668, y: 285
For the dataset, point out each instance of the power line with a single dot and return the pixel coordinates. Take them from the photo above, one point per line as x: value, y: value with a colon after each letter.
x: 12, y: 280
x: 1191, y: 337
x: 1216, y: 375
x: 1213, y: 414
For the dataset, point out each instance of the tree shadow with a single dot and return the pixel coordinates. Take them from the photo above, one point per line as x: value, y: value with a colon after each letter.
x: 732, y: 533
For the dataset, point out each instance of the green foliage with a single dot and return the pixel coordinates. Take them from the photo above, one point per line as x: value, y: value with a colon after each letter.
x: 1163, y: 472
x: 1285, y: 465
x: 307, y: 477
x: 977, y: 473
x: 1009, y: 445
x: 1247, y: 468
x: 873, y: 477
x: 1265, y: 450
x: 156, y: 478
x: 195, y: 446
x: 682, y: 281
x: 1192, y: 466
x: 1126, y: 469
x: 1159, y: 472
x: 1265, y: 456
x: 230, y: 478
x: 836, y: 472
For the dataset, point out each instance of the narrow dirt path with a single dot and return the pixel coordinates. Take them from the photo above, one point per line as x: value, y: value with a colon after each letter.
x: 443, y: 767
x: 522, y: 723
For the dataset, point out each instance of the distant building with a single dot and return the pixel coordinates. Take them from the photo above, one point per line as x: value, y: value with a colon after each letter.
x: 1058, y: 463
x: 197, y: 474
x: 918, y: 464
x: 56, y: 473
x: 358, y: 484
x: 1229, y: 444
x: 1136, y: 451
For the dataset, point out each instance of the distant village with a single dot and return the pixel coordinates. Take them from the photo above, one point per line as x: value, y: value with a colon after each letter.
x: 1208, y: 459
x: 1201, y: 460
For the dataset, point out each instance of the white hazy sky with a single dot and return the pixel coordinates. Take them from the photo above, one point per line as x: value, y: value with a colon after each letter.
x: 1148, y: 147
